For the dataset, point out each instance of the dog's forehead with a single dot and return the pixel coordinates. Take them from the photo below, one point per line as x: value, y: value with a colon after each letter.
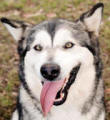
x: 58, y: 31
x: 64, y: 34
x: 61, y: 36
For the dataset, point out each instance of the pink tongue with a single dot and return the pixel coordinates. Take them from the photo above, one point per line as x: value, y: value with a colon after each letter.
x: 48, y: 94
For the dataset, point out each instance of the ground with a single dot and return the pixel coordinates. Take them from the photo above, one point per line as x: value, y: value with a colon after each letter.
x: 35, y: 11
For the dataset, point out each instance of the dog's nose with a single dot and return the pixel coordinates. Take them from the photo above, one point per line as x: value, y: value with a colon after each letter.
x: 50, y: 71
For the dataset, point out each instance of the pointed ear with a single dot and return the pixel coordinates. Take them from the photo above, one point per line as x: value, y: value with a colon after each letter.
x: 92, y: 18
x: 16, y: 28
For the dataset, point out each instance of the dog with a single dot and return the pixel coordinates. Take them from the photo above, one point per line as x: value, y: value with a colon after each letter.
x: 60, y: 68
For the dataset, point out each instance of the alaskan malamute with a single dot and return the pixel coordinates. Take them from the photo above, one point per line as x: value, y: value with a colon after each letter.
x: 60, y: 68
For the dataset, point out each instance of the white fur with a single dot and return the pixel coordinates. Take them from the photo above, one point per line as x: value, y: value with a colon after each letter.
x: 93, y: 22
x: 67, y: 59
x: 15, y: 32
x: 42, y: 38
x: 15, y: 115
x: 33, y: 62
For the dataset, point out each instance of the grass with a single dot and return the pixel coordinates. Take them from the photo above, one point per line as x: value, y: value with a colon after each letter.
x: 36, y: 11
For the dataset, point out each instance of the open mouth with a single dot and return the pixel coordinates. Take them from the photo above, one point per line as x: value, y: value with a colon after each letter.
x: 63, y: 92
x: 56, y: 92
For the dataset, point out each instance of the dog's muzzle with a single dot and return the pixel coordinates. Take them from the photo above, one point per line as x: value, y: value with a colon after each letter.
x: 63, y: 92
x: 55, y: 91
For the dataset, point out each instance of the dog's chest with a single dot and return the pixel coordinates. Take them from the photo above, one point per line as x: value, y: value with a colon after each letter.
x: 66, y: 111
x: 63, y: 113
x: 57, y: 114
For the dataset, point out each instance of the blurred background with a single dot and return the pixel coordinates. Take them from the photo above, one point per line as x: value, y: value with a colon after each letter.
x: 35, y: 11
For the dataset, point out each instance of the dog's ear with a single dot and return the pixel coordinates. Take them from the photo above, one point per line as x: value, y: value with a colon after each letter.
x: 16, y: 28
x: 92, y: 18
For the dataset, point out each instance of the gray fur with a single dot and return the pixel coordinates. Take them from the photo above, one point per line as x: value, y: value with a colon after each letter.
x: 28, y: 107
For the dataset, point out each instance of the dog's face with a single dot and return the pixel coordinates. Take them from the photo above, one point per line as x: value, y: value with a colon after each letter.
x: 54, y: 51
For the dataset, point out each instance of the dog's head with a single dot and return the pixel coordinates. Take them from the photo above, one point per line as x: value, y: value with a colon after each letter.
x: 54, y: 51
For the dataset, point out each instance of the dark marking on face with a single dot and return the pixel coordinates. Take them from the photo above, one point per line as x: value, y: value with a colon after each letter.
x: 51, y: 26
x: 22, y: 75
x: 19, y: 109
x: 93, y: 47
x: 23, y: 81
x: 20, y: 46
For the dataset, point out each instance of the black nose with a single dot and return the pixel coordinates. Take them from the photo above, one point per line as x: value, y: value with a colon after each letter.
x: 50, y: 71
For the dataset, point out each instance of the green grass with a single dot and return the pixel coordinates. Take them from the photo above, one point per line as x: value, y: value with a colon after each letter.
x: 36, y: 11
